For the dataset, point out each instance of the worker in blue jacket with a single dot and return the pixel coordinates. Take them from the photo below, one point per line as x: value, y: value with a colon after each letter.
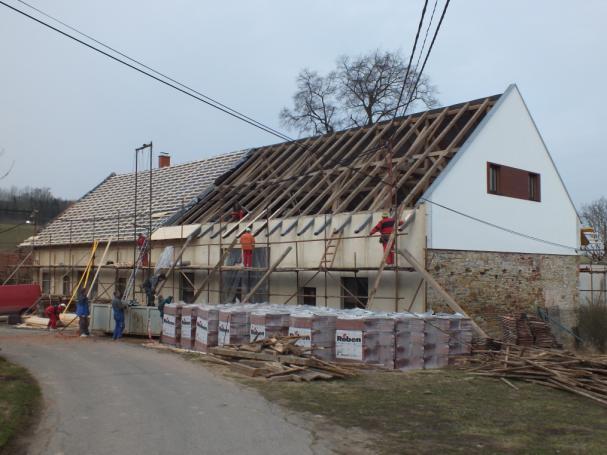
x: 82, y: 311
x: 118, y: 307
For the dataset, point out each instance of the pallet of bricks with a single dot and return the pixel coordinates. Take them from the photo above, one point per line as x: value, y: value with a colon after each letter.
x: 238, y: 333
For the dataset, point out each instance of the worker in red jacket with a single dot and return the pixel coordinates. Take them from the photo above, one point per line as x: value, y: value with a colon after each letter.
x: 247, y: 244
x: 385, y: 227
x: 52, y: 312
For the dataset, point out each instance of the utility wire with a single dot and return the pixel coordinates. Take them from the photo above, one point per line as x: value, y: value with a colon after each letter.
x: 421, y: 52
x: 419, y: 74
x: 13, y: 227
x: 402, y: 89
x: 196, y: 95
x: 497, y: 226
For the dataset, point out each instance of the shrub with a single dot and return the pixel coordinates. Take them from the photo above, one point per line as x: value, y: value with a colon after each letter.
x: 592, y: 324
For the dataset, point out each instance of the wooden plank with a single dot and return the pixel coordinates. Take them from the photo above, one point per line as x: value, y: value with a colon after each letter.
x: 267, y: 274
x: 438, y: 288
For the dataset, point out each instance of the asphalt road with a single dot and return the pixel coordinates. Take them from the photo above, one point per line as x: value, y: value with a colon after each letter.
x: 104, y: 397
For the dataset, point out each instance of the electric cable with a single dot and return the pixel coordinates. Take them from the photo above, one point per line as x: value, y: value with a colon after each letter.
x: 157, y: 78
x: 402, y: 89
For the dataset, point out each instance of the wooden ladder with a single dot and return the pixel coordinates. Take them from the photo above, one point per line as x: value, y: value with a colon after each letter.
x: 331, y: 245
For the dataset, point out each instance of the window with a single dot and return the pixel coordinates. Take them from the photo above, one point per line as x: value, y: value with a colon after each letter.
x: 512, y: 182
x: 186, y: 287
x: 307, y: 296
x: 357, y: 287
x: 46, y: 282
x: 534, y: 187
x: 67, y: 289
x: 494, y: 170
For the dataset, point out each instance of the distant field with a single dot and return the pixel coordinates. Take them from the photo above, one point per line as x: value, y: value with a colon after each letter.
x: 9, y: 239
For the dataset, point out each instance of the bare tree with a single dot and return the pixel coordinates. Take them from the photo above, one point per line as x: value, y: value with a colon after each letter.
x: 315, y: 105
x: 595, y: 214
x: 370, y: 86
x: 360, y: 91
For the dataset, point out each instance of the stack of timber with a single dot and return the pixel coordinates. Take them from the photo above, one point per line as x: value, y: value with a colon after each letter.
x: 563, y: 370
x: 37, y: 322
x: 281, y: 359
x: 527, y: 330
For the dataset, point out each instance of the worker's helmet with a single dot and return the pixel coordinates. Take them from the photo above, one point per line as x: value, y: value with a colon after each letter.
x: 62, y: 305
x: 385, y: 215
x: 248, y: 230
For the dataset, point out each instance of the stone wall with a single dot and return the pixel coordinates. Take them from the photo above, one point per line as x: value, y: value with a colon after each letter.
x: 488, y: 284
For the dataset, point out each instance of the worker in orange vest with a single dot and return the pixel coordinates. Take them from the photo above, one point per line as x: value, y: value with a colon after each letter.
x: 385, y: 227
x: 247, y: 244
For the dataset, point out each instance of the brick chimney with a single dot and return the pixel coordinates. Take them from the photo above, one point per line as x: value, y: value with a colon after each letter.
x: 164, y: 160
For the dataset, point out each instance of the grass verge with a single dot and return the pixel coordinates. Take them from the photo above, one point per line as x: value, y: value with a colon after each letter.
x: 450, y: 411
x: 20, y: 403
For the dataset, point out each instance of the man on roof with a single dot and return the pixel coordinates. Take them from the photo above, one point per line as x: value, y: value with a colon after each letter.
x: 385, y: 227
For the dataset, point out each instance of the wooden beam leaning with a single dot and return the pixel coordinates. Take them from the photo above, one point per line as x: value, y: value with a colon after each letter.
x: 438, y: 288
x: 267, y: 274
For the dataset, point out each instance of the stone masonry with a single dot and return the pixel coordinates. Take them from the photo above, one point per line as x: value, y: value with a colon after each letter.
x: 488, y: 284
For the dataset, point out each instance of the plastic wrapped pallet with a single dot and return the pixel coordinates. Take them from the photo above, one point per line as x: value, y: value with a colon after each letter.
x: 207, y: 321
x: 368, y: 339
x: 436, y: 342
x: 460, y: 337
x: 171, y: 324
x: 267, y: 323
x: 188, y: 326
x: 318, y: 330
x: 408, y: 342
x: 234, y: 325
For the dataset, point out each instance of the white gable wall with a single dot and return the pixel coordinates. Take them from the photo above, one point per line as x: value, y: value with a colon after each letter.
x: 506, y: 136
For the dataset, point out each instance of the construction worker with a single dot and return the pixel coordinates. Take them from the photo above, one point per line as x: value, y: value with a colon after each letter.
x: 118, y: 307
x: 385, y: 227
x: 148, y: 288
x: 237, y: 212
x: 162, y: 302
x: 247, y: 244
x: 142, y: 248
x: 53, y: 312
x: 82, y: 311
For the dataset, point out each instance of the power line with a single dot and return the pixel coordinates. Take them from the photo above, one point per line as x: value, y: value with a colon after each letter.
x: 402, y: 89
x: 149, y: 68
x: 497, y: 226
x: 419, y: 74
x: 421, y: 52
x: 196, y: 95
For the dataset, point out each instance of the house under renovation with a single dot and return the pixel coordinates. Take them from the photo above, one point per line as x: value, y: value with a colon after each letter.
x: 484, y: 215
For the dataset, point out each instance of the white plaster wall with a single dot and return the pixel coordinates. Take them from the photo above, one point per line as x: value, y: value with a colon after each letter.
x: 509, y: 137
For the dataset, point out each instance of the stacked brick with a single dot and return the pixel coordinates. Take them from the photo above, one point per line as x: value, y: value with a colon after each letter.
x: 234, y: 325
x: 207, y: 327
x: 171, y: 324
x: 401, y: 341
x: 460, y: 337
x: 436, y: 341
x: 409, y: 338
x: 188, y: 326
x: 318, y: 331
x: 367, y: 339
x: 269, y: 324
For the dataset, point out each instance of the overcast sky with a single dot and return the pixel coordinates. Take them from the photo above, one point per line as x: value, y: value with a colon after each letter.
x: 69, y: 117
